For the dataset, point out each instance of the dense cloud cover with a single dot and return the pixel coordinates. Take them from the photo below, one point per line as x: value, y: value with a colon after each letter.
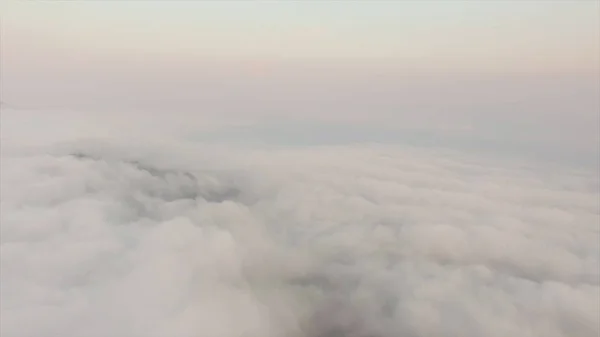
x: 110, y: 238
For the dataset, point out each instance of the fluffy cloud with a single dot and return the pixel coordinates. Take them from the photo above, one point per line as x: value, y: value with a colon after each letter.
x: 109, y: 238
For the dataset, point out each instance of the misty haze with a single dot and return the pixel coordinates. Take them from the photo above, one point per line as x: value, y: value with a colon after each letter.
x: 300, y: 169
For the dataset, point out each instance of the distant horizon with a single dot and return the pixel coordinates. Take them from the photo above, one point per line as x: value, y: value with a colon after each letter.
x: 521, y: 73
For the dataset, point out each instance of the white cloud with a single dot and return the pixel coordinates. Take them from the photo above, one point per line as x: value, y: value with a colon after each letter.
x: 114, y: 238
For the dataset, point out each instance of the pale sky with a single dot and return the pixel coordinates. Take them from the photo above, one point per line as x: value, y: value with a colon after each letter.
x: 520, y: 71
x: 465, y: 35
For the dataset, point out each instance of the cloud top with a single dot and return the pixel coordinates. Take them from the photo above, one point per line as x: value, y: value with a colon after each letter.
x: 107, y: 238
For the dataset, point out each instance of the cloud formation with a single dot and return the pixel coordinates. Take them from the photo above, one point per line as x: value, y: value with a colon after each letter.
x: 112, y: 238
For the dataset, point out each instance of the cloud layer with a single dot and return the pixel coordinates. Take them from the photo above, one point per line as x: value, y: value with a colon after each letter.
x: 111, y: 238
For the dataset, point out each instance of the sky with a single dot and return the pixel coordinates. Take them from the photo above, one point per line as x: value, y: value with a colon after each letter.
x: 521, y: 77
x: 518, y: 76
x: 466, y: 35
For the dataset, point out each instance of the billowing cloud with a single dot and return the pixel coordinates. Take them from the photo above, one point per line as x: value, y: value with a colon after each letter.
x: 117, y: 238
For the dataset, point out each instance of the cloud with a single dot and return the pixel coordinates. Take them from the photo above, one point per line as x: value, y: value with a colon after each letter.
x: 171, y: 238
